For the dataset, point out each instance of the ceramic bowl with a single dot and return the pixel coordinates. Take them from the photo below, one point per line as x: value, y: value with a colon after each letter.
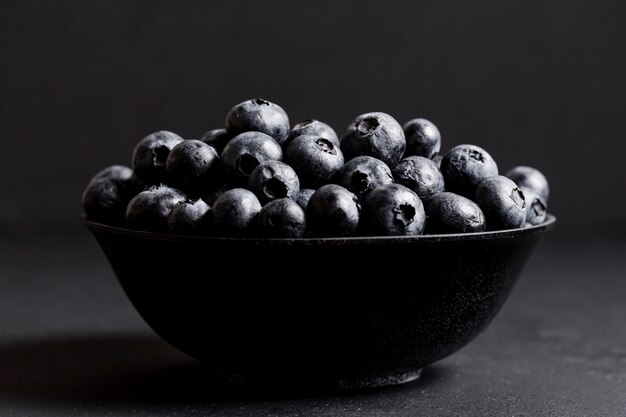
x: 329, y: 312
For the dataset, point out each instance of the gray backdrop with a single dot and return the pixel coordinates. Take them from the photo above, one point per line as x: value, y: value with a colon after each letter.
x: 539, y: 83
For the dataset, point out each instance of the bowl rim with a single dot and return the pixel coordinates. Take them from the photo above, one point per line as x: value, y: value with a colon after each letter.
x: 448, y: 237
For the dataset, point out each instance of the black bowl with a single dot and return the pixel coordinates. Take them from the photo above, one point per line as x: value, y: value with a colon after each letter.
x: 331, y: 312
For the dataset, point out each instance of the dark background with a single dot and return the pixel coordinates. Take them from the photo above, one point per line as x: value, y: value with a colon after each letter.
x: 538, y: 83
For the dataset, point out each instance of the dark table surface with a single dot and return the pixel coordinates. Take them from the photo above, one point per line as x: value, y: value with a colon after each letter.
x: 72, y: 345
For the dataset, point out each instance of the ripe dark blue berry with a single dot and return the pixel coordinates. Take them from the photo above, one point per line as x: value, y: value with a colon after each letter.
x: 105, y: 198
x: 422, y: 138
x: 392, y: 210
x: 531, y: 178
x: 188, y: 218
x: 244, y: 152
x: 273, y: 179
x: 150, y: 155
x: 420, y: 175
x: 332, y: 211
x: 502, y: 202
x: 316, y: 160
x: 375, y: 134
x: 464, y: 167
x: 150, y: 209
x: 219, y: 184
x: 362, y: 174
x: 194, y: 167
x: 304, y: 196
x: 118, y: 172
x: 452, y: 213
x: 258, y: 115
x: 218, y: 138
x: 234, y: 213
x: 281, y: 218
x: 312, y: 127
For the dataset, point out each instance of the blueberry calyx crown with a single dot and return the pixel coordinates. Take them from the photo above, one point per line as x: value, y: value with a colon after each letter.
x: 537, y: 207
x: 326, y: 146
x: 518, y: 197
x: 261, y: 102
x: 477, y: 155
x: 159, y: 155
x: 359, y: 181
x: 246, y: 164
x: 367, y: 125
x: 275, y: 188
x: 404, y: 214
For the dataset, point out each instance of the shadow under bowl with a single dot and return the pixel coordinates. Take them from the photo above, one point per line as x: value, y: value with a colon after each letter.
x: 325, y: 313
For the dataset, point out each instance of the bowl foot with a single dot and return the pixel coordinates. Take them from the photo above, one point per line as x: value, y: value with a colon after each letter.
x: 288, y: 384
x: 378, y: 381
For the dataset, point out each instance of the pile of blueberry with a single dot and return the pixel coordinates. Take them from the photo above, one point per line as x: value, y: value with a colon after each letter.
x: 260, y: 177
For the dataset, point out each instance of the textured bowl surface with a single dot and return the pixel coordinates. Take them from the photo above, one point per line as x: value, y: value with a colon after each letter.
x: 332, y: 312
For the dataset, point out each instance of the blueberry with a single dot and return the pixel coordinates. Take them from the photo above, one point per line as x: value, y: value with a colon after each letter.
x: 315, y: 159
x: 218, y: 138
x: 234, y: 213
x: 375, y: 134
x: 105, y: 198
x: 304, y: 196
x: 258, y: 115
x: 118, y: 172
x: 194, y: 167
x: 422, y: 138
x: 464, y: 167
x: 312, y: 127
x: 362, y: 174
x: 420, y: 175
x: 531, y: 178
x: 391, y: 210
x: 150, y: 209
x: 244, y: 152
x: 536, y: 207
x: 273, y: 179
x: 452, y: 213
x: 332, y: 211
x: 502, y: 202
x: 188, y: 218
x: 281, y: 218
x: 150, y: 155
